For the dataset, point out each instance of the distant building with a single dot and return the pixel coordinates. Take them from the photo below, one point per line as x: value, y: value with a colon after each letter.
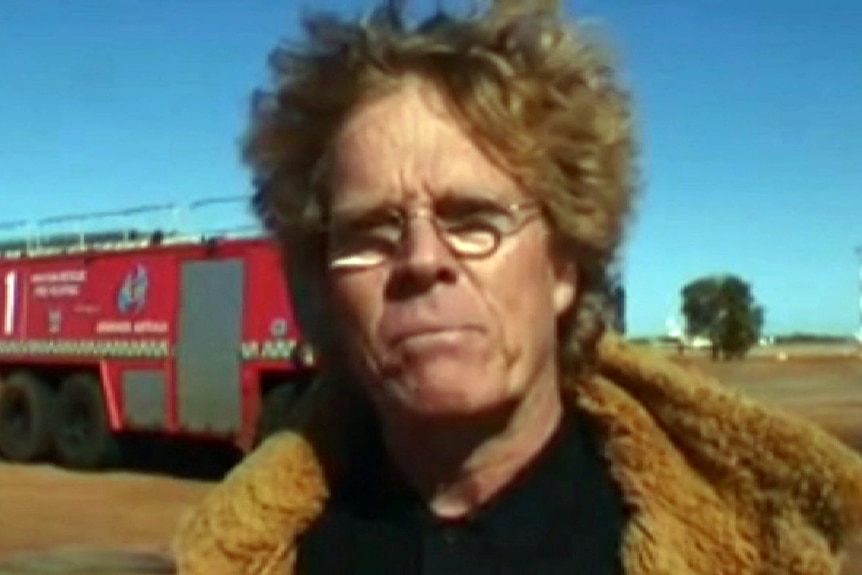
x: 615, y: 309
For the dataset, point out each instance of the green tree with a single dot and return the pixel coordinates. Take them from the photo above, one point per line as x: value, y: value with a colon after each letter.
x: 722, y: 308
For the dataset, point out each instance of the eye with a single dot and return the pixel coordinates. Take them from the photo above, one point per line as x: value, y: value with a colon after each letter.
x: 472, y: 214
x: 358, y: 230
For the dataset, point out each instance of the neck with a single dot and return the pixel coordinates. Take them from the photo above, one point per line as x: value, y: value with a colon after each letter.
x: 459, y: 465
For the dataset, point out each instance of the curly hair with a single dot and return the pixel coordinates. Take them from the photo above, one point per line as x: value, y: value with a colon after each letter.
x: 537, y: 94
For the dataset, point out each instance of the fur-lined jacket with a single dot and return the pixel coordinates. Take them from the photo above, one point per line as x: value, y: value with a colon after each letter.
x: 716, y: 484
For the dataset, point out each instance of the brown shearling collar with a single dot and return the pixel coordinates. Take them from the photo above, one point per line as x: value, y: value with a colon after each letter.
x: 716, y: 483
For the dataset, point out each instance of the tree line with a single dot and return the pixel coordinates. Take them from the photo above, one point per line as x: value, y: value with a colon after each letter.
x: 723, y: 310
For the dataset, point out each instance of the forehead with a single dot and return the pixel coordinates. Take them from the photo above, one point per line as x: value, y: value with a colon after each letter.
x: 405, y: 147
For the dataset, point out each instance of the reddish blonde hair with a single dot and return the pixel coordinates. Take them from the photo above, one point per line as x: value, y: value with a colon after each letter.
x: 537, y: 94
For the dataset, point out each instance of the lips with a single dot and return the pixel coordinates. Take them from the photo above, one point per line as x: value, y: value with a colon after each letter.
x: 404, y: 334
x: 420, y: 334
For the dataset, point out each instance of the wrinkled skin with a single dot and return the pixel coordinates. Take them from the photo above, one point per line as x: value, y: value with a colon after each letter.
x: 435, y: 335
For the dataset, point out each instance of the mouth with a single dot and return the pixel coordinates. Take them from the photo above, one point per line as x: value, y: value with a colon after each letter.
x: 430, y: 335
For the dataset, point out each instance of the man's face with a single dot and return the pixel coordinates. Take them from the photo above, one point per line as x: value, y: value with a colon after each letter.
x: 431, y: 332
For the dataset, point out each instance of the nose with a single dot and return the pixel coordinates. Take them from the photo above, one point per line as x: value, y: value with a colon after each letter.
x: 424, y: 260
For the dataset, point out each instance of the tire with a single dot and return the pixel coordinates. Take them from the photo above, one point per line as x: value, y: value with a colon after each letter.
x: 27, y: 408
x: 278, y: 404
x: 83, y: 437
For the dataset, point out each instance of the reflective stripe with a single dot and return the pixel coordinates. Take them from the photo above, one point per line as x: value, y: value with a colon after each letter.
x: 268, y: 349
x: 135, y: 348
x: 251, y: 350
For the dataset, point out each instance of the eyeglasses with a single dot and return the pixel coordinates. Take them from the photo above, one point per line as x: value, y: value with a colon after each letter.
x: 470, y: 228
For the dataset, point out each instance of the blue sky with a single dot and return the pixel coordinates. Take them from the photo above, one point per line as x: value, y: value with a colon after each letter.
x: 750, y: 118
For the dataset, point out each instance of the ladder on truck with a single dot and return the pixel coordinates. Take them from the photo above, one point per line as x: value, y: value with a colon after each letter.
x: 82, y: 233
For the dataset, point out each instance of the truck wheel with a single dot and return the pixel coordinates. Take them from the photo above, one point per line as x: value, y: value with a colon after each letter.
x: 278, y: 403
x: 26, y: 417
x: 83, y: 437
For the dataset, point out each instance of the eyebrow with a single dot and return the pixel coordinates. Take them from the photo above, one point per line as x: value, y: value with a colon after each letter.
x: 362, y: 207
x: 446, y: 195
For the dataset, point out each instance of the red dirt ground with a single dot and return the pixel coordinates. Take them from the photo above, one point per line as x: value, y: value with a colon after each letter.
x: 44, y: 508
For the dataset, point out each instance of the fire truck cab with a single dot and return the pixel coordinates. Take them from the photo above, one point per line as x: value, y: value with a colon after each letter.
x: 108, y: 334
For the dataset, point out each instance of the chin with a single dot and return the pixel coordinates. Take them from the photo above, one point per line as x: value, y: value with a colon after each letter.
x: 431, y: 406
x: 447, y: 399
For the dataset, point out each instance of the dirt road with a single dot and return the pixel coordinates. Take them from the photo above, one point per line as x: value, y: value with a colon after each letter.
x: 58, y: 521
x: 43, y: 508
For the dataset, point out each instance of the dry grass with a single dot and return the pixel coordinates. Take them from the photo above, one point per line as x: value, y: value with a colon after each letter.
x: 65, y: 521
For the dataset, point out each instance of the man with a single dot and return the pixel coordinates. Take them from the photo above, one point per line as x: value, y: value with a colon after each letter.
x: 448, y: 199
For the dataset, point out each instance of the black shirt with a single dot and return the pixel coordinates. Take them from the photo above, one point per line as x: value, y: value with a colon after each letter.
x: 562, y: 516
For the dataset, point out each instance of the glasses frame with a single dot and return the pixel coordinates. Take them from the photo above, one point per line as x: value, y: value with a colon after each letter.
x: 521, y: 214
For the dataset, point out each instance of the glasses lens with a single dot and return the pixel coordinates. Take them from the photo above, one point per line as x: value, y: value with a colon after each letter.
x: 475, y: 242
x: 357, y: 240
x: 474, y: 227
x: 356, y: 260
x: 471, y: 227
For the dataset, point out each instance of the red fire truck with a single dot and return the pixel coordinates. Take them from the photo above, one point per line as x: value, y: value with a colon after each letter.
x: 114, y: 333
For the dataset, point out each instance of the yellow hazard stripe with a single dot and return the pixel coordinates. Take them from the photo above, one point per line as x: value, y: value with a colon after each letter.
x: 251, y: 350
x: 137, y: 348
x: 268, y: 349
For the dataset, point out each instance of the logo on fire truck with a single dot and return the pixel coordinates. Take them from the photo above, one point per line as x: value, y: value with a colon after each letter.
x: 132, y: 296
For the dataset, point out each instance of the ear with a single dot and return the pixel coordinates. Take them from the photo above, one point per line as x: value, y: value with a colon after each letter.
x: 565, y: 286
